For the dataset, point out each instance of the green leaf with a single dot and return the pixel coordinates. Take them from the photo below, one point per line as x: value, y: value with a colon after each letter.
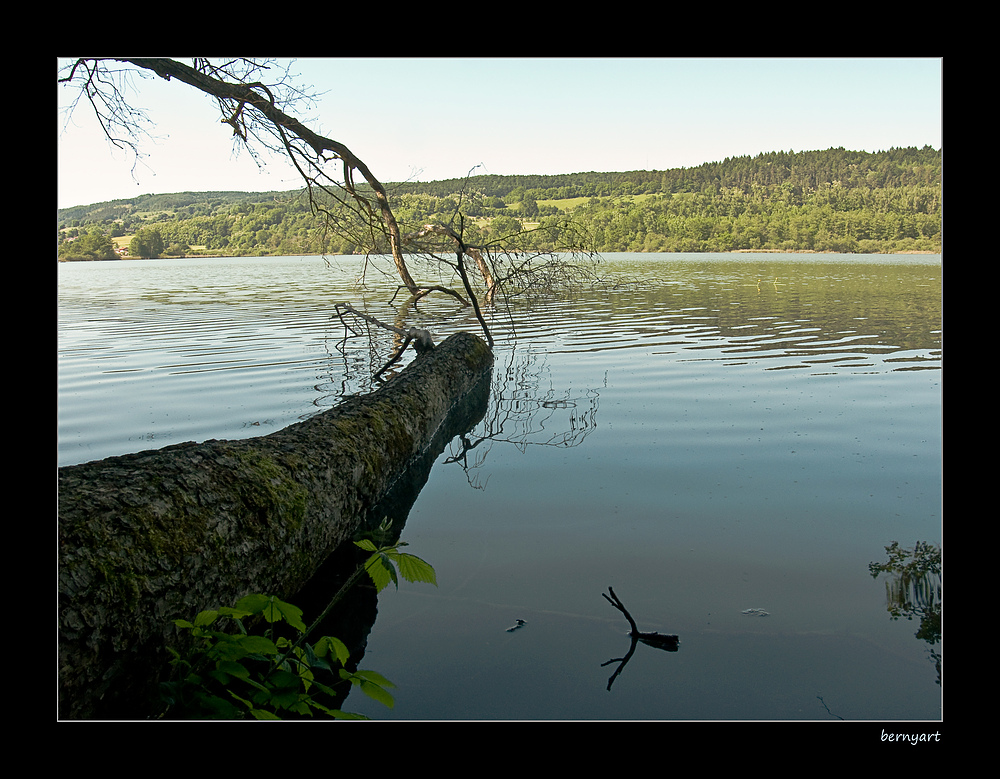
x: 253, y: 604
x: 381, y: 571
x: 413, y: 569
x: 260, y: 645
x: 205, y: 618
x: 372, y: 684
x: 374, y: 676
x: 237, y: 614
x: 312, y: 660
x: 274, y: 610
x: 271, y: 613
x: 291, y: 686
x: 232, y: 668
x: 218, y: 708
x: 375, y: 692
x: 263, y: 714
x: 329, y: 644
x: 239, y: 646
x: 338, y: 714
x: 253, y: 683
x: 285, y: 688
x: 257, y: 713
x: 292, y: 614
x: 367, y: 545
x: 325, y: 689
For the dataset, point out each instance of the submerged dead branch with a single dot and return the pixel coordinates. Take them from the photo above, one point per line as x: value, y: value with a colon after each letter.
x: 422, y: 340
x: 668, y: 643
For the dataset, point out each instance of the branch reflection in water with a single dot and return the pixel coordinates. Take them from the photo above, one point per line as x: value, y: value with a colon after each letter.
x: 666, y: 642
x: 524, y: 412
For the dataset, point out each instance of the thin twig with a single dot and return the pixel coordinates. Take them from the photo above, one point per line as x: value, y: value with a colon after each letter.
x: 614, y: 601
x: 659, y: 640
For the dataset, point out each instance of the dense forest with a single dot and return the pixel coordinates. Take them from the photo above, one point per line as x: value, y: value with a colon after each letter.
x: 833, y: 200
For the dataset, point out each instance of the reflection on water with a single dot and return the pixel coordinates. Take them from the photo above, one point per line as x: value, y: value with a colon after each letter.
x: 708, y: 434
x: 525, y: 410
x: 352, y: 617
x: 913, y: 589
x: 666, y: 642
x: 819, y: 316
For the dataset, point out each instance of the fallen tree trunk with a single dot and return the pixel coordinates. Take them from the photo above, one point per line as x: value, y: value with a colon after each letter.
x: 148, y: 537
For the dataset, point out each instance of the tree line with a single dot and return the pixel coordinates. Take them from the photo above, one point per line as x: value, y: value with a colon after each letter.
x: 833, y: 200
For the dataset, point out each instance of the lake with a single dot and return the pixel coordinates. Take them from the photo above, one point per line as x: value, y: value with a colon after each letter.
x: 726, y: 440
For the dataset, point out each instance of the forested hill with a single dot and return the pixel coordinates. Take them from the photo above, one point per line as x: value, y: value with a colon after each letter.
x: 833, y: 200
x: 803, y: 170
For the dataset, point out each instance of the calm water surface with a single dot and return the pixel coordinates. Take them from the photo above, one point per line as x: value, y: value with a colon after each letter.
x: 707, y: 434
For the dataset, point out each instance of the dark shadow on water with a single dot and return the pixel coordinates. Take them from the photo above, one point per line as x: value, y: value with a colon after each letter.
x: 511, y: 405
x: 351, y: 620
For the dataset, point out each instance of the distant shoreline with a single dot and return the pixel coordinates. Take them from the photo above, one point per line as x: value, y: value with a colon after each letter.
x: 330, y: 254
x: 803, y: 251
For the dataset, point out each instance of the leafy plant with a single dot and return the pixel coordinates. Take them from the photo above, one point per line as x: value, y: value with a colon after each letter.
x: 231, y: 672
x: 381, y: 566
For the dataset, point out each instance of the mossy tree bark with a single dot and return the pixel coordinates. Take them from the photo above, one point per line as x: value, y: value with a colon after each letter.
x: 148, y: 537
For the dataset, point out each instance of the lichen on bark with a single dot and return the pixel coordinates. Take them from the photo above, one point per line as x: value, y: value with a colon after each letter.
x: 147, y: 537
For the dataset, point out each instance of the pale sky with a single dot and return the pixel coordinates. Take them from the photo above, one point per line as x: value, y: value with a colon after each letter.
x: 432, y: 119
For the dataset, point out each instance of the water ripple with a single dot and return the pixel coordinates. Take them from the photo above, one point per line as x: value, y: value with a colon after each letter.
x: 159, y: 351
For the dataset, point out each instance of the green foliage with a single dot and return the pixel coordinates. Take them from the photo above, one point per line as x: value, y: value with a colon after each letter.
x: 231, y: 672
x: 93, y: 244
x: 381, y: 566
x: 832, y: 200
x: 146, y: 243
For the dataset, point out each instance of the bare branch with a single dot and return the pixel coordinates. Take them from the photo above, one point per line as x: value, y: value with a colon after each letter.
x: 667, y: 643
x: 658, y: 640
x: 104, y: 88
x: 367, y: 317
x: 249, y: 107
x: 254, y: 98
x: 421, y: 339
